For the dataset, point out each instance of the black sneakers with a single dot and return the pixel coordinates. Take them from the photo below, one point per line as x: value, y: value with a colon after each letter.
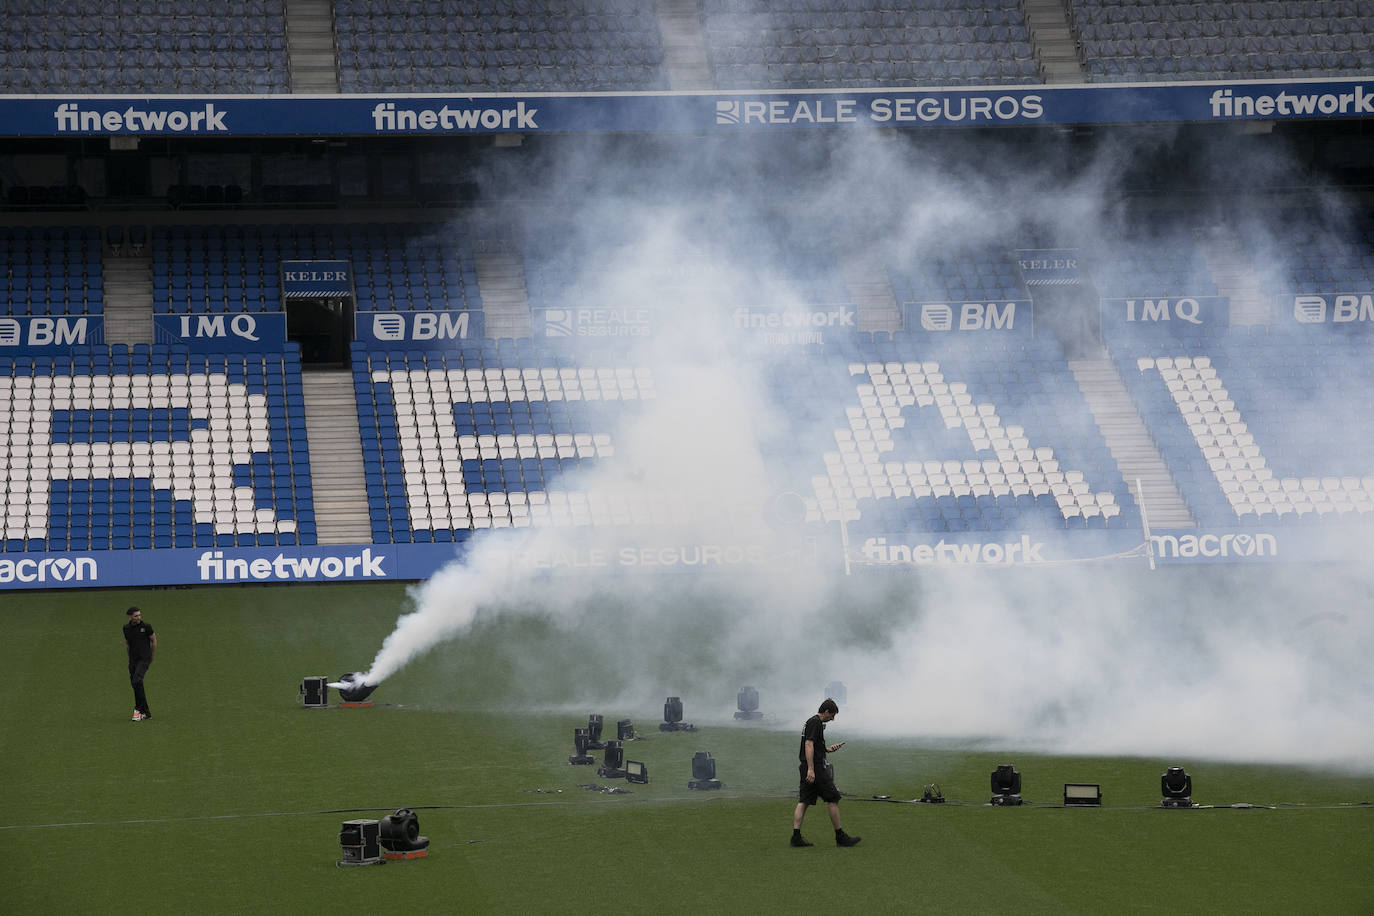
x: 844, y: 839
x: 798, y: 841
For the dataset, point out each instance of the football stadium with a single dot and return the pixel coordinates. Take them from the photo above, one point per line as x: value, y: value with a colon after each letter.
x: 498, y: 427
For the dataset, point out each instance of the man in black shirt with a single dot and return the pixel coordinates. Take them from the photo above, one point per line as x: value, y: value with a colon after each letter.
x: 816, y: 781
x: 141, y: 643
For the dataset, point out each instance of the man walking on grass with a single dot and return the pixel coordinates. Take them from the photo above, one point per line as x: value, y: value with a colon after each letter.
x: 816, y: 781
x: 141, y: 643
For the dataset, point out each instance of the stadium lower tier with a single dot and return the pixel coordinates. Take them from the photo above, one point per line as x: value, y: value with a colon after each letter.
x: 899, y: 445
x: 160, y: 449
x: 1261, y: 429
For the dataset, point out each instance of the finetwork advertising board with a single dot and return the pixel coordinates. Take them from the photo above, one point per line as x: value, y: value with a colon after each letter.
x: 391, y: 115
x: 637, y: 554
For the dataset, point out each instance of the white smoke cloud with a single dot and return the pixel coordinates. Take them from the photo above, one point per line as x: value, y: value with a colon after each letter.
x: 1246, y: 664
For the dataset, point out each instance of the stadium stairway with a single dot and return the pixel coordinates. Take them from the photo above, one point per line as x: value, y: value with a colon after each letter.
x: 505, y: 301
x: 684, y: 55
x: 1130, y: 443
x: 1235, y: 277
x: 336, y: 457
x: 310, y: 46
x: 128, y: 303
x: 870, y: 290
x: 1055, y: 50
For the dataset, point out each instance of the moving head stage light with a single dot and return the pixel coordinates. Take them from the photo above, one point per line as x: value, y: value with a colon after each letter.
x: 704, y: 772
x: 1006, y: 786
x: 672, y: 717
x: 581, y: 741
x: 1177, y: 787
x: 748, y: 703
x: 612, y: 766
x: 625, y: 731
x: 594, y: 726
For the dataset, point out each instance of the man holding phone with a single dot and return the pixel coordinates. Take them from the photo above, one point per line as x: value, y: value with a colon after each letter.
x: 816, y: 782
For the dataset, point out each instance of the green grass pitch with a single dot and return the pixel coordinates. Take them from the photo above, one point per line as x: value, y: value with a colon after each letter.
x: 230, y: 799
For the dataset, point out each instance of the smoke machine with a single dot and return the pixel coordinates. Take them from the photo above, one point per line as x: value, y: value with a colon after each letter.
x: 353, y: 691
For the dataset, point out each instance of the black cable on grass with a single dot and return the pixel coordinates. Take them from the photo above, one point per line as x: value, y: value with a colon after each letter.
x: 1282, y: 806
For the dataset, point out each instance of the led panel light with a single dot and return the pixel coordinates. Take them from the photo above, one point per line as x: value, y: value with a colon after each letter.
x: 1079, y: 794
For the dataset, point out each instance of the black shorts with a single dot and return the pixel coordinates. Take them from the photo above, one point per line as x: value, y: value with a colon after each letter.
x: 823, y: 788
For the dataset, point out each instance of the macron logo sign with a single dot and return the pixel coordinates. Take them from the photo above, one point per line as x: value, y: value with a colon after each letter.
x: 71, y: 118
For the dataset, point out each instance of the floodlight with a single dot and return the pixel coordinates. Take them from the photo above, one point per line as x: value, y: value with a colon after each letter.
x: 594, y: 724
x: 837, y: 692
x: 748, y: 702
x: 704, y: 772
x: 399, y: 835
x: 672, y: 717
x: 1006, y: 786
x: 625, y: 731
x: 1177, y: 787
x: 581, y: 758
x: 612, y: 764
x: 636, y: 772
x: 1080, y: 794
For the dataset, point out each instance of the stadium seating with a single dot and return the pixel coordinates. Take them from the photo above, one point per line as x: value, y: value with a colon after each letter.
x: 953, y: 438
x: 1317, y: 260
x: 1258, y: 427
x: 53, y: 271
x: 396, y: 266
x: 986, y: 274
x: 490, y: 437
x: 753, y: 44
x: 143, y: 46
x: 152, y: 447
x: 1261, y: 39
x: 497, y: 45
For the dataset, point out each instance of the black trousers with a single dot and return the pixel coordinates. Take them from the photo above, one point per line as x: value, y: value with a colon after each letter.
x: 137, y: 668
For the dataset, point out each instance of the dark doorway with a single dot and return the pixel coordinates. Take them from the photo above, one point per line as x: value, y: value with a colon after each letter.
x: 323, y: 328
x: 127, y: 175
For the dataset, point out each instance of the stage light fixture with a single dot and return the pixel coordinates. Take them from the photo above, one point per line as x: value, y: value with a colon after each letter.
x: 672, y: 717
x: 836, y: 691
x: 399, y: 834
x: 580, y: 741
x: 1177, y: 788
x: 594, y: 726
x: 1006, y: 786
x: 625, y: 731
x: 1082, y: 794
x: 636, y: 772
x: 748, y: 703
x: 704, y: 772
x: 612, y: 762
